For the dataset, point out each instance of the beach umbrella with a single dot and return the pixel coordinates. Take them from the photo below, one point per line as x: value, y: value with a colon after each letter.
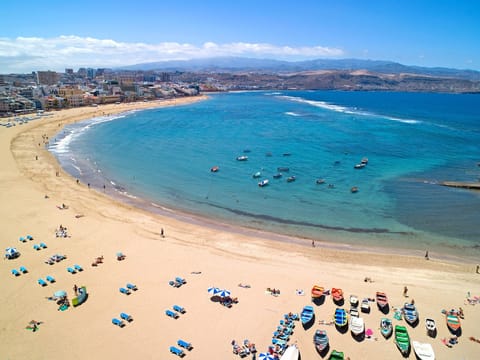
x: 369, y: 332
x: 11, y: 252
x: 22, y: 238
x: 224, y: 293
x: 265, y: 356
x: 213, y: 290
x: 60, y: 293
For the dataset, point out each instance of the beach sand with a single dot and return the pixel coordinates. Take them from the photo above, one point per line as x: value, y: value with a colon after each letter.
x: 205, y: 256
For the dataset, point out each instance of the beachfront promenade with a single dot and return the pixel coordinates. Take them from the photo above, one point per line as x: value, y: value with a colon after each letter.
x: 205, y: 257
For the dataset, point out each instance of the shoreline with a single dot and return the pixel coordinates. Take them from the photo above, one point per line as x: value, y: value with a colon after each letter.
x: 336, y: 241
x: 100, y: 225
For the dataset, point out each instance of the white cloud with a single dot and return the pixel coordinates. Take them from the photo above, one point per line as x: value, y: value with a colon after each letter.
x: 25, y: 54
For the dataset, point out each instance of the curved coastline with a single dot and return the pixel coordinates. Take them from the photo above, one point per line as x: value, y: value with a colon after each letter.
x: 217, y: 254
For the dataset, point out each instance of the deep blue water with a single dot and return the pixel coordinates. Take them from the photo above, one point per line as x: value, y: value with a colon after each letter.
x: 412, y: 142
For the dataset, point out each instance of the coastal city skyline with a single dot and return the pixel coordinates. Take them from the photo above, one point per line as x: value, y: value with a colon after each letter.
x: 108, y: 34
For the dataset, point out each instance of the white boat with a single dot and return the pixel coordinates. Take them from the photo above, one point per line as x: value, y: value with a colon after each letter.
x: 257, y: 175
x: 431, y: 327
x: 242, y: 158
x: 359, y: 166
x: 263, y: 183
x: 291, y: 353
x: 357, y: 325
x: 424, y: 351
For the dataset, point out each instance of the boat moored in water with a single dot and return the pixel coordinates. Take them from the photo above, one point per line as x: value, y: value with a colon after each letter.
x: 291, y: 178
x: 277, y: 176
x: 320, y: 181
x: 263, y: 183
x: 214, y: 168
x: 257, y: 175
x: 242, y: 158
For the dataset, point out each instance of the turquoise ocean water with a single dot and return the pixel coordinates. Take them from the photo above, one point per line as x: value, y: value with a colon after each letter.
x: 412, y: 141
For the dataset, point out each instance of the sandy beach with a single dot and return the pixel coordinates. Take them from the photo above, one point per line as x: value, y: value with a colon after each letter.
x: 33, y: 187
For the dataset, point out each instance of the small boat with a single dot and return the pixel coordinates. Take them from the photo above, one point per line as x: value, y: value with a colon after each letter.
x: 402, y: 340
x: 214, y: 169
x: 307, y: 315
x: 317, y: 291
x: 291, y: 353
x: 320, y: 339
x: 263, y: 183
x: 453, y: 322
x: 284, y: 169
x: 354, y: 189
x: 320, y: 181
x: 337, y: 295
x: 277, y: 176
x: 354, y: 312
x: 424, y: 351
x: 242, y: 158
x: 268, y: 154
x: 386, y: 327
x: 247, y: 150
x: 364, y: 161
x: 354, y: 300
x: 287, y: 154
x: 257, y: 175
x: 357, y: 325
x: 382, y: 301
x: 340, y: 317
x: 431, y: 327
x: 410, y: 313
x: 291, y: 178
x: 336, y: 355
x: 359, y: 166
x: 365, y: 307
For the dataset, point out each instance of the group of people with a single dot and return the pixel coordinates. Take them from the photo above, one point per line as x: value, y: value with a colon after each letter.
x: 274, y: 292
x: 245, y: 349
x: 61, y: 231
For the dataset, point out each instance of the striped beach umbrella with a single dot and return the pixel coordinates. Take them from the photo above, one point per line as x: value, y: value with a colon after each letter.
x: 265, y: 356
x: 224, y: 293
x: 213, y: 290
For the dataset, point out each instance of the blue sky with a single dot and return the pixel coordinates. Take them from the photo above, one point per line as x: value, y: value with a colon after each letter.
x: 54, y: 35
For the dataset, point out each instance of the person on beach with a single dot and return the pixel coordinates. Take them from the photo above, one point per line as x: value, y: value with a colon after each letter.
x: 313, y: 243
x: 162, y: 233
x: 426, y: 255
x: 405, y: 291
x: 478, y: 269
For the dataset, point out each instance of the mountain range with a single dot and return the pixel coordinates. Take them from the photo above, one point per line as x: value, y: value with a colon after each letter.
x: 240, y: 64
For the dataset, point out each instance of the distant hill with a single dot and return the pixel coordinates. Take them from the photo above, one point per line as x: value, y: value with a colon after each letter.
x: 239, y: 64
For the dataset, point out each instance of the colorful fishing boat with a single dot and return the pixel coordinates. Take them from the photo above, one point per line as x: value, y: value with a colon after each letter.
x: 424, y: 351
x: 357, y: 325
x: 453, y: 322
x: 402, y: 340
x: 382, y: 301
x: 336, y: 355
x: 317, y: 291
x: 307, y: 315
x: 340, y: 317
x: 386, y: 327
x: 337, y: 295
x: 320, y: 339
x: 431, y: 327
x: 410, y: 313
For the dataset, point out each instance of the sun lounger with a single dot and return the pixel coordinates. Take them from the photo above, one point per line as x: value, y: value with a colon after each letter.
x: 118, y: 322
x: 71, y: 270
x: 171, y: 313
x: 124, y: 291
x: 23, y: 269
x: 177, y: 351
x: 15, y: 272
x: 132, y: 287
x: 174, y: 283
x: 126, y: 317
x: 184, y: 344
x: 50, y: 278
x: 36, y: 247
x: 42, y: 282
x: 43, y: 245
x: 279, y: 342
x: 279, y: 335
x: 180, y: 280
x: 120, y: 256
x: 180, y: 309
x: 78, y: 267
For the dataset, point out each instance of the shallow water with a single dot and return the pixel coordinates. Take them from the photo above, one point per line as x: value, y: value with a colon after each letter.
x: 412, y: 142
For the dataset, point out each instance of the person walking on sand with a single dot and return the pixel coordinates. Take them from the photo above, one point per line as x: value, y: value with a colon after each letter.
x: 478, y: 269
x: 162, y: 233
x: 405, y: 291
x: 426, y: 255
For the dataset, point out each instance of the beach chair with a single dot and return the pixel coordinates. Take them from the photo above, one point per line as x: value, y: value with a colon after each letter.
x: 279, y: 335
x: 120, y: 256
x: 124, y: 291
x: 42, y: 282
x: 43, y: 245
x: 50, y: 278
x: 36, y: 247
x: 15, y: 272
x: 71, y: 270
x: 23, y: 269
x: 174, y: 283
x: 177, y: 351
x: 171, y: 313
x: 180, y: 280
x: 78, y: 267
x: 184, y: 344
x: 132, y: 287
x: 179, y: 309
x: 126, y: 317
x: 118, y: 322
x: 279, y: 342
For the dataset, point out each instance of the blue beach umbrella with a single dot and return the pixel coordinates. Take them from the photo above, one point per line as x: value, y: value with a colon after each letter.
x: 224, y: 293
x: 265, y: 356
x: 11, y: 252
x: 60, y: 293
x: 213, y: 290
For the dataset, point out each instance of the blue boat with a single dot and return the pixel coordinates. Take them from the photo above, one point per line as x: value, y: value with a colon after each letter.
x: 307, y: 315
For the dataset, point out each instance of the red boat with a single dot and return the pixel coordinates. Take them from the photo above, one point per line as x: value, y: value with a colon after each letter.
x: 317, y: 292
x: 337, y: 295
